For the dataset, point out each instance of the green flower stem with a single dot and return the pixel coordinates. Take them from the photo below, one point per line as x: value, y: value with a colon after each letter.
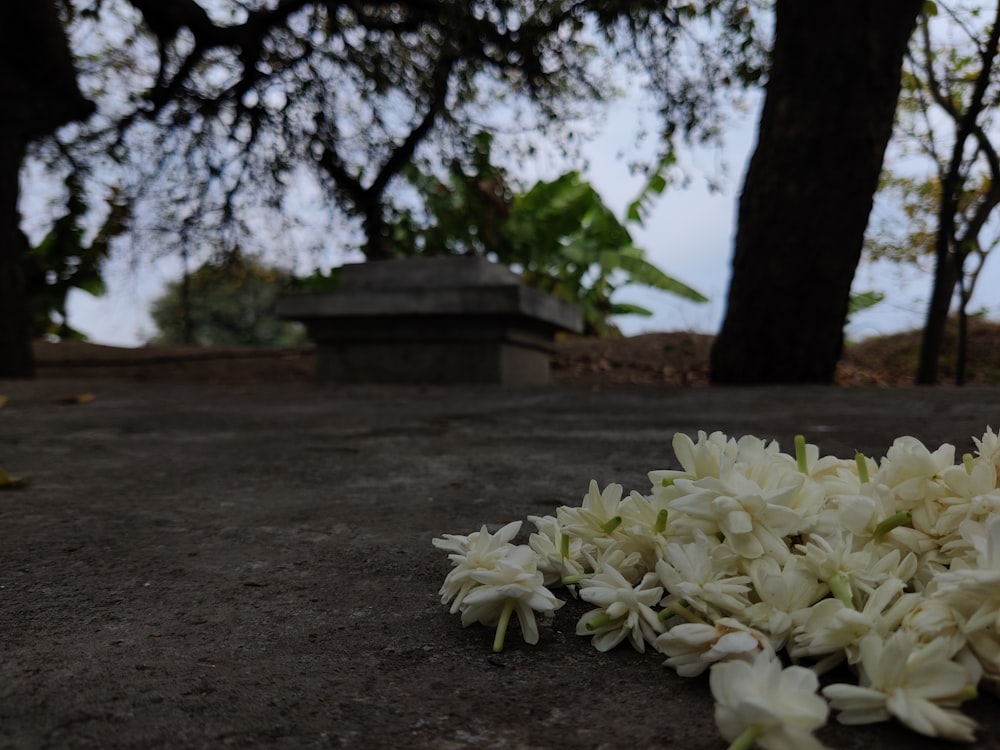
x: 598, y: 621
x: 968, y: 693
x: 838, y: 587
x: 896, y: 519
x: 969, y: 462
x: 748, y: 739
x: 570, y: 580
x: 862, y: 462
x: 668, y: 482
x: 661, y: 522
x: 611, y: 524
x: 800, y: 453
x: 564, y: 547
x: 498, y: 639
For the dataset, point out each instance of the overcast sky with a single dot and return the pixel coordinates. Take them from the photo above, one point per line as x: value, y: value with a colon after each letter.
x: 689, y: 235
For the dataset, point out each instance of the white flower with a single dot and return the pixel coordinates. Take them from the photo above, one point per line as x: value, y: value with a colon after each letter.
x: 624, y: 610
x: 693, y: 647
x: 752, y: 519
x: 702, y: 574
x: 988, y: 447
x: 973, y: 495
x: 513, y: 585
x: 830, y: 627
x: 914, y: 475
x: 975, y: 592
x: 777, y: 709
x: 622, y: 557
x: 644, y: 522
x: 919, y: 686
x: 558, y: 554
x: 782, y: 590
x: 478, y: 550
x: 597, y: 520
x: 859, y: 569
x: 934, y: 619
x: 912, y: 471
x: 697, y: 460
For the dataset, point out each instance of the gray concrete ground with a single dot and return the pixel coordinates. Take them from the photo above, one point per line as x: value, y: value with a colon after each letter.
x: 197, y: 566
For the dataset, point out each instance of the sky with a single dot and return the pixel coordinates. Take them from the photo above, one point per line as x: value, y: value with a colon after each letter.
x: 689, y: 234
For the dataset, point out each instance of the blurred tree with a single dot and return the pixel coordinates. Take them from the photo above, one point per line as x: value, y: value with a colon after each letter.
x: 68, y: 257
x: 228, y: 302
x: 950, y: 89
x: 828, y: 114
x: 969, y: 176
x: 39, y: 90
x: 244, y: 93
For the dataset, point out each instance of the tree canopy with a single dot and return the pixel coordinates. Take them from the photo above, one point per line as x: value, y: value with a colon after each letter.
x: 209, y: 110
x: 226, y: 302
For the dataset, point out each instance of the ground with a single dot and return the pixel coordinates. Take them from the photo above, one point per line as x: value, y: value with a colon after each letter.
x: 213, y: 551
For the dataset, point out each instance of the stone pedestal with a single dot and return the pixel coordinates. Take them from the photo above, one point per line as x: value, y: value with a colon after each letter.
x: 432, y: 320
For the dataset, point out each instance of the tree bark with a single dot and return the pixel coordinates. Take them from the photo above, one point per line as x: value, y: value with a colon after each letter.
x: 16, y: 360
x: 828, y: 114
x: 39, y: 91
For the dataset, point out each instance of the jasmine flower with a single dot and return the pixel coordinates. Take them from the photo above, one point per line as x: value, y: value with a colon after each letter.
x: 512, y: 586
x: 694, y: 647
x: 918, y: 685
x: 478, y: 550
x: 623, y: 611
x: 762, y: 704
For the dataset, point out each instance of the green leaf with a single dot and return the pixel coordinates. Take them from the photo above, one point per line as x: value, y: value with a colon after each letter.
x: 626, y: 308
x: 640, y: 208
x: 643, y: 272
x: 863, y: 300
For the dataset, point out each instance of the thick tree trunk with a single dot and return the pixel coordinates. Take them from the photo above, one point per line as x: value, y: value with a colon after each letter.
x: 827, y: 118
x: 39, y: 92
x: 15, y: 340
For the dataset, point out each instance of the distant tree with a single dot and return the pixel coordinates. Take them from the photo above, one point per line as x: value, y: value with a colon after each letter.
x: 828, y: 113
x: 229, y: 302
x: 966, y: 89
x: 951, y: 85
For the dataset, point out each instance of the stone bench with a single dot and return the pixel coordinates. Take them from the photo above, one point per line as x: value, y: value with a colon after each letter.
x: 432, y: 320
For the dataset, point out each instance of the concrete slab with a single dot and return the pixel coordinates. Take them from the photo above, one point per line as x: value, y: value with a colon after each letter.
x: 199, y: 566
x: 432, y: 320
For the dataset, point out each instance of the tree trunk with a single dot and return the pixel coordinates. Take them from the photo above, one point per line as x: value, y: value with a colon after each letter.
x: 39, y: 92
x: 16, y: 359
x: 828, y: 115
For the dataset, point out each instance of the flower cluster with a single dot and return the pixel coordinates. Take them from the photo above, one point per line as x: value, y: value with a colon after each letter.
x: 746, y: 557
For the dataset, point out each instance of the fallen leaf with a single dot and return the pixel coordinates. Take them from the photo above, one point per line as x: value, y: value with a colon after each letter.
x: 8, y: 482
x: 77, y: 398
